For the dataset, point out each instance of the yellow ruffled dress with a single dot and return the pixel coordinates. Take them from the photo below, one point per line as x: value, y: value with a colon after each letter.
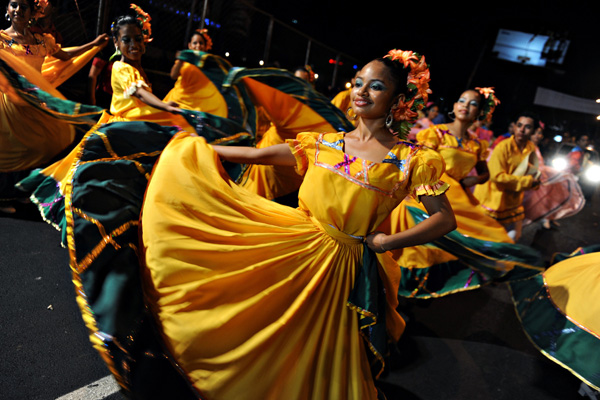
x: 251, y: 296
x: 28, y: 136
x: 125, y: 80
x: 502, y: 195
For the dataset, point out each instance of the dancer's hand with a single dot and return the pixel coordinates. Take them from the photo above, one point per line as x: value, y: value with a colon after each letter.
x: 375, y: 241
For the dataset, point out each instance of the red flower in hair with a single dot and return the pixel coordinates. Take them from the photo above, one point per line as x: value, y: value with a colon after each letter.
x: 208, y: 44
x: 490, y: 103
x: 406, y: 111
x: 144, y: 19
x: 405, y: 57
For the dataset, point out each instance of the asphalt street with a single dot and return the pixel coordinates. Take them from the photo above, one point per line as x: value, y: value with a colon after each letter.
x: 462, y: 346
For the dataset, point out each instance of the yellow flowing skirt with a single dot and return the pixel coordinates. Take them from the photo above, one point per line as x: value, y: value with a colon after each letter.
x: 250, y: 296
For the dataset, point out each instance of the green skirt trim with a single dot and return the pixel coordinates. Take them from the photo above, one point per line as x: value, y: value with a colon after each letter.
x: 552, y: 332
x: 297, y: 88
x: 479, y: 262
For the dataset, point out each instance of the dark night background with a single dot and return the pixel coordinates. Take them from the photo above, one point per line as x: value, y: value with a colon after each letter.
x: 456, y: 38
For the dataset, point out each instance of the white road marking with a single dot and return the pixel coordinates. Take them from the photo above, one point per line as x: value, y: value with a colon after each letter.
x: 98, y: 390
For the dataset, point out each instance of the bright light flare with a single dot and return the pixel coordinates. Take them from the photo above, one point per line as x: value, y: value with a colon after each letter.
x: 348, y: 85
x: 560, y: 163
x: 592, y: 174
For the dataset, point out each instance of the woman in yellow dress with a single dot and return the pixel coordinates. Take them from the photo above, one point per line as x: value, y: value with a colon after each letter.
x: 480, y: 249
x: 193, y: 90
x: 257, y: 300
x: 30, y: 137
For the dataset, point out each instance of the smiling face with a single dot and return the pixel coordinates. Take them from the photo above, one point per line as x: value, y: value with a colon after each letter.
x: 19, y: 11
x: 374, y: 91
x: 131, y: 43
x: 467, y: 108
x: 197, y: 42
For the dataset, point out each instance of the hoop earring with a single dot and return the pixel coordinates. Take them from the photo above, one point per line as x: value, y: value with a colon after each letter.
x: 451, y: 115
x: 389, y: 120
x: 350, y: 114
x: 7, y: 16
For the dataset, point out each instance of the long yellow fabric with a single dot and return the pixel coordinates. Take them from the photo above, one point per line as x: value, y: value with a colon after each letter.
x: 471, y: 220
x: 573, y: 285
x: 502, y: 195
x: 28, y: 137
x: 194, y: 91
x: 250, y: 295
x: 58, y: 71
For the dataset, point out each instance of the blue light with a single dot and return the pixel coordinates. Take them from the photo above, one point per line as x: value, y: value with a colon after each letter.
x: 558, y: 138
x: 355, y: 66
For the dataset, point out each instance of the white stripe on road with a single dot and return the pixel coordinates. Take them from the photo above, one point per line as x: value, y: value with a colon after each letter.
x: 98, y: 390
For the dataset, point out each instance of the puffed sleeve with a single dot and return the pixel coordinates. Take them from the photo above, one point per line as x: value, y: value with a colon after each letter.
x: 430, y: 137
x: 426, y: 168
x: 50, y: 43
x: 126, y: 80
x: 303, y: 147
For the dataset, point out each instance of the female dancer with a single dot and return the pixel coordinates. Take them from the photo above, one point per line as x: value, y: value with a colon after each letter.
x: 193, y: 90
x: 41, y: 50
x: 479, y: 241
x: 29, y: 137
x: 257, y: 300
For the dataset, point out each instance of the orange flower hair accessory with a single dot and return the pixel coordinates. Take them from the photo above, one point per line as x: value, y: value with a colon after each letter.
x: 490, y: 101
x: 144, y: 21
x: 207, y: 40
x: 406, y: 111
